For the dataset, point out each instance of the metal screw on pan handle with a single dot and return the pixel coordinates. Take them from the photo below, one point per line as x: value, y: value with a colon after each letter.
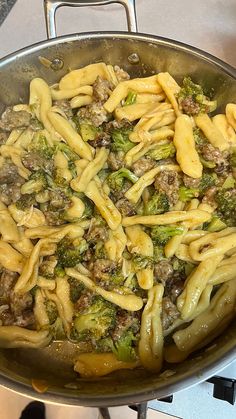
x: 51, y: 6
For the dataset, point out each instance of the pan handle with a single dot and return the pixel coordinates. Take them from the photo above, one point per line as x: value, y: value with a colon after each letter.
x: 51, y: 6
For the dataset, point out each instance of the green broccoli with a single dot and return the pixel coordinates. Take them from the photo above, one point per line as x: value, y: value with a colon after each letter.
x: 57, y: 330
x: 59, y: 271
x: 226, y: 206
x: 141, y: 262
x: 69, y: 255
x: 96, y: 320
x: 162, y: 234
x: 36, y: 183
x: 232, y: 160
x: 124, y: 347
x: 25, y: 202
x: 100, y: 252
x: 69, y: 153
x: 186, y: 194
x: 229, y: 182
x: 120, y: 140
x: 76, y: 289
x: 87, y: 131
x: 163, y: 151
x: 40, y: 145
x: 206, y: 163
x: 207, y: 181
x: 131, y: 98
x: 216, y: 224
x: 158, y: 204
x: 51, y: 310
x: 192, y: 99
x: 117, y: 179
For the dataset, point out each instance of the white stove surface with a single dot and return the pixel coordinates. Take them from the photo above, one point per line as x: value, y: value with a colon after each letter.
x: 207, y: 25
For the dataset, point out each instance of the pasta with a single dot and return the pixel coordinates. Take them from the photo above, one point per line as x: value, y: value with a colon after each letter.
x: 117, y: 219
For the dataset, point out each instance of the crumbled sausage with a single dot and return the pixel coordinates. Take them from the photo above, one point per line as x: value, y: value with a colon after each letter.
x: 35, y: 161
x: 14, y: 119
x: 190, y: 182
x: 213, y: 154
x: 125, y: 207
x: 64, y: 105
x: 10, y: 183
x: 174, y: 287
x: 121, y: 74
x: 102, y: 268
x: 163, y: 270
x: 142, y: 166
x: 102, y: 139
x: 95, y: 113
x: 168, y: 183
x: 125, y: 320
x: 189, y: 106
x: 9, y: 174
x: 97, y: 233
x: 102, y: 89
x: 209, y: 197
x: 115, y: 161
x: 169, y: 312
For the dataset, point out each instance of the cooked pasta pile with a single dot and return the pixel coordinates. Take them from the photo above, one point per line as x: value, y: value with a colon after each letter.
x: 117, y: 219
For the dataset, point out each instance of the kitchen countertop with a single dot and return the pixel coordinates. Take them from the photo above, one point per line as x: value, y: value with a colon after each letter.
x: 208, y: 25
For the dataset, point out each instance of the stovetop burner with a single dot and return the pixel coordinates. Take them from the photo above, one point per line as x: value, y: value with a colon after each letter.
x: 223, y: 389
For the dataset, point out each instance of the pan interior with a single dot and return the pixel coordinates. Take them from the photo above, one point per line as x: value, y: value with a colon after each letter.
x: 54, y: 364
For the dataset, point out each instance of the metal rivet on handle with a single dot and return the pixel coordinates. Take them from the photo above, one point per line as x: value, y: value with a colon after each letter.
x: 57, y: 64
x: 133, y: 58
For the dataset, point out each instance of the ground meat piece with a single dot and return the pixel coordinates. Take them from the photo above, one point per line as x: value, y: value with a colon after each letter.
x: 102, y: 89
x: 83, y: 302
x: 6, y: 317
x: 64, y: 105
x: 209, y: 197
x: 174, y: 287
x: 7, y: 281
x: 125, y: 320
x: 11, y: 119
x: 169, y: 312
x: 190, y: 182
x: 189, y: 106
x: 3, y: 138
x: 19, y: 304
x: 168, y: 182
x: 95, y: 113
x: 9, y: 174
x: 25, y: 319
x: 125, y: 207
x: 163, y: 271
x: 102, y: 139
x: 117, y: 195
x: 142, y: 166
x: 9, y: 194
x: 115, y: 161
x: 112, y: 125
x: 121, y: 74
x: 102, y: 268
x: 35, y: 161
x: 213, y: 154
x: 97, y: 233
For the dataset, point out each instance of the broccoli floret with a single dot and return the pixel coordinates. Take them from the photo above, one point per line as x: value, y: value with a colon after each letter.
x: 40, y: 144
x: 70, y: 254
x: 158, y: 204
x: 229, y: 182
x: 59, y: 271
x: 70, y: 154
x: 120, y: 140
x: 76, y: 289
x: 117, y: 179
x: 131, y: 98
x: 87, y: 131
x: 141, y: 262
x: 163, y: 151
x: 186, y: 194
x: 25, y: 202
x: 57, y: 330
x: 216, y: 224
x: 96, y: 320
x: 193, y: 100
x: 207, y: 181
x: 51, y: 310
x: 232, y: 160
x: 226, y: 209
x: 124, y: 347
x: 36, y: 183
x: 161, y: 234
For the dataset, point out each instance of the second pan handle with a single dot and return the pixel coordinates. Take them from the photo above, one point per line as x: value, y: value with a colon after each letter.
x: 51, y: 6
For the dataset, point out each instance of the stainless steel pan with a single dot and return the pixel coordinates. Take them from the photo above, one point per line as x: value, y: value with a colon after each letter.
x: 140, y: 55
